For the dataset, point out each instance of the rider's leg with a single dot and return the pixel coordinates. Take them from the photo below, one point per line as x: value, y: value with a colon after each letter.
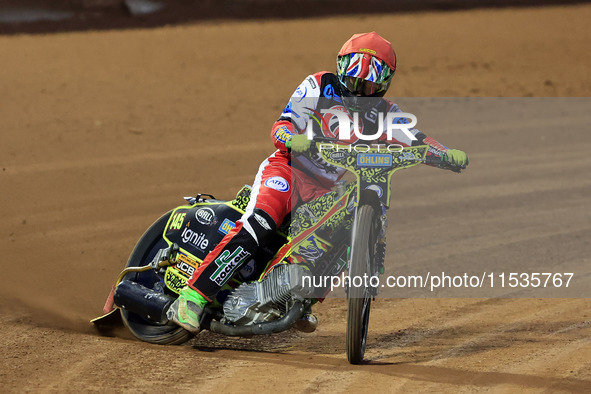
x: 270, y: 201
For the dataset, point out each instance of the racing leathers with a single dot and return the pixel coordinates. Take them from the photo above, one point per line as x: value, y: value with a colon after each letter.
x: 285, y: 180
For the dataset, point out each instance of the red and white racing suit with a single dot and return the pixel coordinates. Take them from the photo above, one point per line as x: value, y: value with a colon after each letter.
x: 282, y: 183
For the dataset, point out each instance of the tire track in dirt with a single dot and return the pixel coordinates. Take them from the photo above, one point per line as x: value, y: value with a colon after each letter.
x: 102, y: 132
x: 473, y: 341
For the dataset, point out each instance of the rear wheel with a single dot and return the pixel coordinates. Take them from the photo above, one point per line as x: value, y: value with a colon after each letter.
x: 145, y: 250
x: 359, y: 296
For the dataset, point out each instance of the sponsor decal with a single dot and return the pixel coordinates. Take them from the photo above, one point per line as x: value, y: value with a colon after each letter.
x: 198, y: 240
x: 185, y: 268
x: 374, y: 160
x: 337, y: 156
x: 402, y: 120
x: 277, y: 183
x: 282, y: 134
x: 300, y: 93
x: 248, y: 270
x: 288, y: 111
x: 312, y: 249
x: 312, y: 82
x: 227, y: 263
x: 367, y: 50
x: 183, y: 257
x: 376, y: 189
x: 372, y: 115
x: 409, y: 156
x: 329, y: 91
x: 186, y: 265
x: 226, y: 226
x: 177, y: 221
x: 205, y: 216
x: 262, y: 221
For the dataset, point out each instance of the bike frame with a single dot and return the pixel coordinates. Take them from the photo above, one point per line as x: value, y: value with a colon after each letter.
x: 320, y: 230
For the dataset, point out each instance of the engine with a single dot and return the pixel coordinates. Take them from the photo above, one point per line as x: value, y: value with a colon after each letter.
x: 268, y: 299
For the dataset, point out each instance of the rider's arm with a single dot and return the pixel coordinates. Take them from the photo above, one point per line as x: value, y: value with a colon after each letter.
x: 281, y: 133
x: 296, y: 114
x: 436, y: 148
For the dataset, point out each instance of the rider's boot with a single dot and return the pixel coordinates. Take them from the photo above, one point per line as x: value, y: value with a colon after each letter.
x: 187, y: 309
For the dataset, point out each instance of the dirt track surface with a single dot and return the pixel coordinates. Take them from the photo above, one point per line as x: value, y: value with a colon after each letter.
x: 103, y: 132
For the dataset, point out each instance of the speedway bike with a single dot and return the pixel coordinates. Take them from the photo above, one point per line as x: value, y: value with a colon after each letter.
x: 341, y: 231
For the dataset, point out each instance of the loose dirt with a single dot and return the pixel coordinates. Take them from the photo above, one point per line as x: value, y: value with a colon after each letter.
x: 101, y: 132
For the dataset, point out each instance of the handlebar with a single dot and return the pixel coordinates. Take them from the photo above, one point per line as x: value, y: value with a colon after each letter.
x: 430, y: 160
x: 438, y: 162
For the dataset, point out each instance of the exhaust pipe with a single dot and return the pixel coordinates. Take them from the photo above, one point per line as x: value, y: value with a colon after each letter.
x: 142, y: 301
x: 152, y: 306
x: 270, y: 327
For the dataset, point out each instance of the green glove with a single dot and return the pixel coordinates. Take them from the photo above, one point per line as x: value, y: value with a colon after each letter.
x: 298, y: 143
x: 456, y: 156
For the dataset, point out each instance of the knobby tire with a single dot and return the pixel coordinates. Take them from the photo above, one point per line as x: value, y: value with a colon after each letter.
x: 359, y: 298
x: 145, y: 330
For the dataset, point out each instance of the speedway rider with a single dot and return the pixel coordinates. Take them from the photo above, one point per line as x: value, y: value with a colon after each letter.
x: 365, y: 66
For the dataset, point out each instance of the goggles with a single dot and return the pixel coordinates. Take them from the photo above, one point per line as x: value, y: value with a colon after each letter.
x: 363, y: 87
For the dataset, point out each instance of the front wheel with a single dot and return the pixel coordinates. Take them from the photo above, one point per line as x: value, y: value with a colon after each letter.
x: 359, y: 296
x: 143, y: 253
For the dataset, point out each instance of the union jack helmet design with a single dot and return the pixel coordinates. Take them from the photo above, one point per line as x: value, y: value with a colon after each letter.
x: 366, y: 57
x: 363, y: 65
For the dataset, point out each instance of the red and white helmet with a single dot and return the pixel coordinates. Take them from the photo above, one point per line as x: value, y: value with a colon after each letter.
x: 366, y: 64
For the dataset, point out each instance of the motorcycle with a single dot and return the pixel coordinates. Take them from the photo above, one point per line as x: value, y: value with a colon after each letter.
x: 342, y: 230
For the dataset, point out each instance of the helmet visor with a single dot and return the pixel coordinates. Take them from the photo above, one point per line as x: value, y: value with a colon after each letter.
x: 363, y: 87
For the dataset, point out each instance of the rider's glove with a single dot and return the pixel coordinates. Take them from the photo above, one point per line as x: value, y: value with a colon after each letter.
x: 298, y: 143
x: 455, y: 156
